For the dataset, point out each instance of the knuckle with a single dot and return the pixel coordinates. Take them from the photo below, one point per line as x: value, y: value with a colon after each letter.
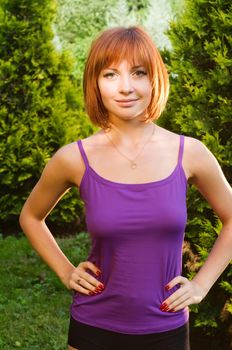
x: 89, y: 264
x: 94, y: 282
x: 72, y: 285
x: 80, y: 266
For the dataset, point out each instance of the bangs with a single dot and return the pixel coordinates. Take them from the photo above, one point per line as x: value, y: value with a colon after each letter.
x: 127, y: 46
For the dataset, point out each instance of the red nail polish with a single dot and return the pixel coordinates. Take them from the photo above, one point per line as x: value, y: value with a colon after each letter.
x: 164, y: 309
x: 164, y: 305
x: 98, y: 273
x: 91, y: 293
x: 101, y: 286
x: 167, y: 287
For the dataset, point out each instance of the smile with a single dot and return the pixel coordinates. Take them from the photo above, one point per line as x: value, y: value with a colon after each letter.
x: 126, y: 103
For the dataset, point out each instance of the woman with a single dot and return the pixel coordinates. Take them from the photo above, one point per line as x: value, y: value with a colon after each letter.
x: 132, y: 176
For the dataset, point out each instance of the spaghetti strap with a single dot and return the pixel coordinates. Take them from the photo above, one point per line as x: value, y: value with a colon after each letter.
x: 83, y: 154
x: 181, y: 149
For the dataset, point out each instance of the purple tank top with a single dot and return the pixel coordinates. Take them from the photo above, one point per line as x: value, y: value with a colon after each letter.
x: 137, y: 233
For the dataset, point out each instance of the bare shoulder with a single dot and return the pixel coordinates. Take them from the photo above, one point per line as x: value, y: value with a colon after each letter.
x: 69, y: 159
x: 66, y: 154
x: 199, y: 160
x: 68, y: 163
x: 190, y: 144
x: 195, y: 150
x: 207, y: 175
x: 195, y: 146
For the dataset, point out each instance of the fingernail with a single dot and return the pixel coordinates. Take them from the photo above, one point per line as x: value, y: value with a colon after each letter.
x: 164, y: 309
x: 101, y: 286
x: 164, y: 305
x: 167, y: 287
x: 91, y: 293
x: 96, y: 292
x: 98, y: 273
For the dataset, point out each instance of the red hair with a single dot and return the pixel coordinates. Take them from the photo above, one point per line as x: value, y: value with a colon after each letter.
x: 112, y: 46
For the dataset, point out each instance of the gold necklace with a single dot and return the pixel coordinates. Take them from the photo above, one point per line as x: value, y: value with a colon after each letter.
x: 133, y: 164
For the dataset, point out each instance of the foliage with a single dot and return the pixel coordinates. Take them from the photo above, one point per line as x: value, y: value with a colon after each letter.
x: 120, y: 14
x: 138, y: 5
x: 34, y: 304
x: 38, y: 94
x: 77, y: 24
x: 157, y: 22
x: 200, y: 106
x: 157, y: 18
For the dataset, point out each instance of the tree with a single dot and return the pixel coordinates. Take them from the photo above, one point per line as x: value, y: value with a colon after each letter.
x: 200, y: 105
x: 76, y: 26
x: 120, y: 14
x: 157, y: 22
x: 37, y: 95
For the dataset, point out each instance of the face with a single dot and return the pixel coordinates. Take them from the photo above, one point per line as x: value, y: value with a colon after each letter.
x: 125, y: 91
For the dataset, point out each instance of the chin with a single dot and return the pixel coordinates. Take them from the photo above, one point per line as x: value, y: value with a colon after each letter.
x: 139, y: 116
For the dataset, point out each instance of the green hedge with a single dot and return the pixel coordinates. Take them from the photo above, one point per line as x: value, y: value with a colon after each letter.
x: 41, y: 106
x: 200, y: 106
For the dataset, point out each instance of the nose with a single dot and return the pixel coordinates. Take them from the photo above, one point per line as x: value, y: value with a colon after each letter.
x: 125, y: 84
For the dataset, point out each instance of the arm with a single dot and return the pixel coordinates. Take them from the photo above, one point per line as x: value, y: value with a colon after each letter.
x: 205, y: 173
x: 61, y: 172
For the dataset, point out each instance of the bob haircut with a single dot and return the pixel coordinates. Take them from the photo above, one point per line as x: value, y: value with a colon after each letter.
x: 111, y: 47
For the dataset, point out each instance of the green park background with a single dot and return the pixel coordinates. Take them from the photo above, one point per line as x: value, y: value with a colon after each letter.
x: 43, y: 46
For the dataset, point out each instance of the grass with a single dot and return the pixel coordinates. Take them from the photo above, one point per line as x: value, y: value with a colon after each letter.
x: 34, y: 305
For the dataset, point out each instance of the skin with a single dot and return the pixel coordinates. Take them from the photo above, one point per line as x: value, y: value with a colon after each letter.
x: 129, y: 133
x: 133, y: 80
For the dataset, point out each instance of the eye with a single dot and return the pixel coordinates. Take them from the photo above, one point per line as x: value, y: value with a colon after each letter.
x: 109, y: 75
x: 140, y: 73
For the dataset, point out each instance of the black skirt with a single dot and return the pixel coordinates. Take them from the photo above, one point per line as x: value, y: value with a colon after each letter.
x: 84, y: 337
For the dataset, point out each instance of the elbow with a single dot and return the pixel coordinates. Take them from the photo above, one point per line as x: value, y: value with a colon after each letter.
x: 22, y: 218
x: 28, y: 221
x: 227, y: 222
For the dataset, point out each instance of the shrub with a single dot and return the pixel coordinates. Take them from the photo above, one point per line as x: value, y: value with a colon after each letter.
x: 40, y: 105
x: 200, y: 105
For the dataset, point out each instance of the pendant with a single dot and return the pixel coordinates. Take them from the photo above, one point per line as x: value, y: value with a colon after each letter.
x: 133, y: 165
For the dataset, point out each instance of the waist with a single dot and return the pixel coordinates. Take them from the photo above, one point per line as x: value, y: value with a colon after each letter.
x: 130, y: 302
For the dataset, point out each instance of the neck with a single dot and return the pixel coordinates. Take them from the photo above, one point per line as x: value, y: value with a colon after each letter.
x: 130, y: 134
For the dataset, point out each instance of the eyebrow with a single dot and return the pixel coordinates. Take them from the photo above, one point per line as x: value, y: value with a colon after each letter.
x: 132, y: 68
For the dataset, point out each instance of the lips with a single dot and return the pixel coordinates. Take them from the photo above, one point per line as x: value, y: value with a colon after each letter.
x: 127, y: 101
